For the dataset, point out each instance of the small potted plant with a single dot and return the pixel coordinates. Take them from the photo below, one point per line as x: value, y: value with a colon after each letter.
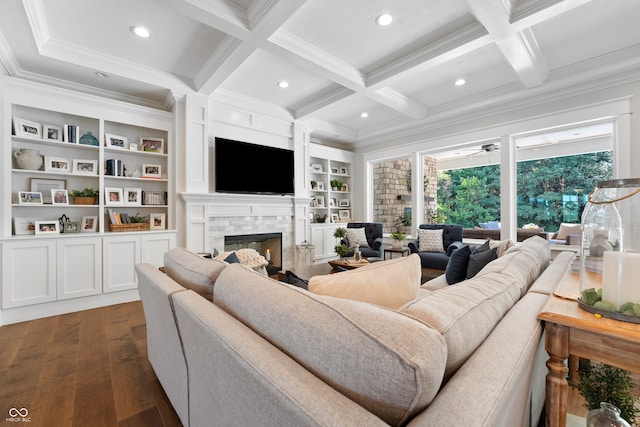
x: 340, y: 233
x: 88, y: 196
x: 341, y: 250
x: 398, y: 237
x: 336, y: 185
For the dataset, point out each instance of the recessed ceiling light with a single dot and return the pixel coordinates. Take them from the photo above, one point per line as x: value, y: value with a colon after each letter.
x: 101, y: 74
x: 283, y: 84
x: 140, y: 32
x: 384, y: 19
x: 460, y: 82
x: 364, y: 115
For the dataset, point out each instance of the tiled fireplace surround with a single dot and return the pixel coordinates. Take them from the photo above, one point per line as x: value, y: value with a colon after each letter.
x: 220, y: 215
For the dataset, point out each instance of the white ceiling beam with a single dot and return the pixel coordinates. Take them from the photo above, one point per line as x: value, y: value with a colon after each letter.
x: 399, y: 102
x: 320, y: 101
x: 271, y: 16
x: 519, y: 48
x: 531, y: 12
x: 216, y: 14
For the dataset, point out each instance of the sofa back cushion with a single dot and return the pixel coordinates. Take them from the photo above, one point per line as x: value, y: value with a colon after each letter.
x: 388, y: 363
x: 192, y: 271
x: 465, y: 314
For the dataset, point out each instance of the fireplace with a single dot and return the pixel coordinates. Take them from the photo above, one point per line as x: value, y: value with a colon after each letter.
x: 268, y: 245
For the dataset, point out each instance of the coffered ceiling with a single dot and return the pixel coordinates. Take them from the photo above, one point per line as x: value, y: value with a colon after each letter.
x: 337, y: 61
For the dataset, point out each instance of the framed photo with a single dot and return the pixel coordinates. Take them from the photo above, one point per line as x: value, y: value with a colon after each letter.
x: 85, y: 167
x: 70, y: 227
x: 320, y: 186
x: 345, y: 214
x: 316, y: 167
x: 344, y: 171
x: 47, y: 227
x: 157, y: 221
x: 133, y: 146
x: 89, y: 224
x: 113, y: 196
x: 45, y: 186
x: 151, y: 171
x: 52, y: 133
x: 335, y: 218
x: 133, y: 196
x: 152, y: 145
x: 318, y: 202
x: 26, y: 128
x: 345, y: 188
x: 29, y: 198
x: 115, y: 141
x: 343, y: 203
x: 332, y: 202
x: 24, y: 225
x: 56, y: 164
x: 334, y: 170
x: 59, y: 197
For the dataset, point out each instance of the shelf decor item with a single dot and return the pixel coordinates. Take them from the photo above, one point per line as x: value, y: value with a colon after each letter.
x: 52, y: 133
x: 610, y: 251
x: 607, y: 415
x: 88, y: 196
x: 28, y: 159
x: 26, y: 128
x: 89, y: 139
x: 115, y: 141
x: 152, y: 145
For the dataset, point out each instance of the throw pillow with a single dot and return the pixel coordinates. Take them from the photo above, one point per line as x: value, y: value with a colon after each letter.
x: 481, y: 248
x: 478, y: 260
x: 456, y: 270
x: 293, y: 279
x: 430, y: 240
x: 357, y: 236
x: 391, y: 283
x: 566, y: 229
x: 232, y: 258
x: 501, y: 245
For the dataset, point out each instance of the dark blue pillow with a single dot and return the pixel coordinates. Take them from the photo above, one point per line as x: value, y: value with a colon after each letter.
x: 478, y: 260
x: 293, y: 279
x: 232, y: 258
x: 483, y: 247
x: 456, y: 270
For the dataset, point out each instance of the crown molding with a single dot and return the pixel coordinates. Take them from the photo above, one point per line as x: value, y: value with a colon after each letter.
x: 251, y: 105
x: 7, y: 59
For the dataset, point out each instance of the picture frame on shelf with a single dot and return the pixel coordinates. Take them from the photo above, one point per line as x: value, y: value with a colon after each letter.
x: 27, y: 128
x: 113, y: 196
x: 57, y: 164
x: 320, y: 186
x: 157, y: 221
x: 152, y: 145
x: 344, y: 203
x: 133, y: 196
x: 25, y: 225
x: 344, y: 214
x: 89, y: 224
x: 71, y: 227
x: 45, y: 186
x: 345, y: 188
x: 47, y: 227
x: 319, y: 202
x: 115, y: 141
x: 344, y: 171
x: 335, y: 217
x: 332, y: 202
x: 152, y: 171
x: 334, y: 170
x: 85, y: 167
x: 30, y: 198
x: 59, y: 197
x: 316, y: 167
x: 52, y: 133
x: 133, y: 146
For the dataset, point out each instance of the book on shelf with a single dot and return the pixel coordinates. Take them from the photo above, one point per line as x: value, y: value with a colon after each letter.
x: 70, y: 133
x: 114, y: 167
x: 118, y: 217
x: 154, y: 197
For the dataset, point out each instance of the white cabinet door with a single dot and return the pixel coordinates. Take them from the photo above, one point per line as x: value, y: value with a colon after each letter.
x: 120, y: 255
x: 28, y: 272
x: 323, y: 240
x: 79, y: 267
x: 155, y: 245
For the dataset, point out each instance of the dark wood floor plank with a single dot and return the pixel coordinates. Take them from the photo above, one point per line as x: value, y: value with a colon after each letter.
x: 83, y: 369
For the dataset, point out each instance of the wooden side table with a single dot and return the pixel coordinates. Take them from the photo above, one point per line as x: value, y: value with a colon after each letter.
x: 391, y: 251
x: 571, y: 330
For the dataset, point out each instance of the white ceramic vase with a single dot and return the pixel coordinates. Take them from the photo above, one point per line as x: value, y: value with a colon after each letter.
x: 28, y: 159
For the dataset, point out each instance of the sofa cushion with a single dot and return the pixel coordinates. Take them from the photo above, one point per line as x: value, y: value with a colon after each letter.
x: 390, y: 283
x: 456, y: 270
x: 357, y: 236
x: 192, y: 271
x: 352, y: 346
x: 478, y: 260
x: 430, y: 240
x: 566, y: 229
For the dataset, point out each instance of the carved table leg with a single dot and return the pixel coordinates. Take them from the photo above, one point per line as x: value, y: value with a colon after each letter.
x: 557, y: 346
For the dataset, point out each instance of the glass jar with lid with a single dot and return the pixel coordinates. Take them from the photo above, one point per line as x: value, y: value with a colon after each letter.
x: 610, y: 248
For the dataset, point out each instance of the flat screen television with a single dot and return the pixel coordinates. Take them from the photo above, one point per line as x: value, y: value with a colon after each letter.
x: 241, y: 167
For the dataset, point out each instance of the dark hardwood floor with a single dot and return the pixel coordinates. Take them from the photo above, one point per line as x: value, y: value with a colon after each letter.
x: 88, y: 368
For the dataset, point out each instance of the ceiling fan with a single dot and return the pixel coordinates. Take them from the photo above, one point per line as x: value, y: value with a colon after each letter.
x: 486, y: 148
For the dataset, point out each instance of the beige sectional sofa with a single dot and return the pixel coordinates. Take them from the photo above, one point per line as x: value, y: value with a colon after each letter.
x: 270, y: 354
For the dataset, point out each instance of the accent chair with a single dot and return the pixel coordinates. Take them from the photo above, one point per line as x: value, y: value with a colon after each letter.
x: 437, y: 256
x: 373, y: 233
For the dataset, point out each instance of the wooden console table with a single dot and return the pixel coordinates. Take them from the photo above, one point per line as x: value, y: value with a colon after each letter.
x: 572, y: 330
